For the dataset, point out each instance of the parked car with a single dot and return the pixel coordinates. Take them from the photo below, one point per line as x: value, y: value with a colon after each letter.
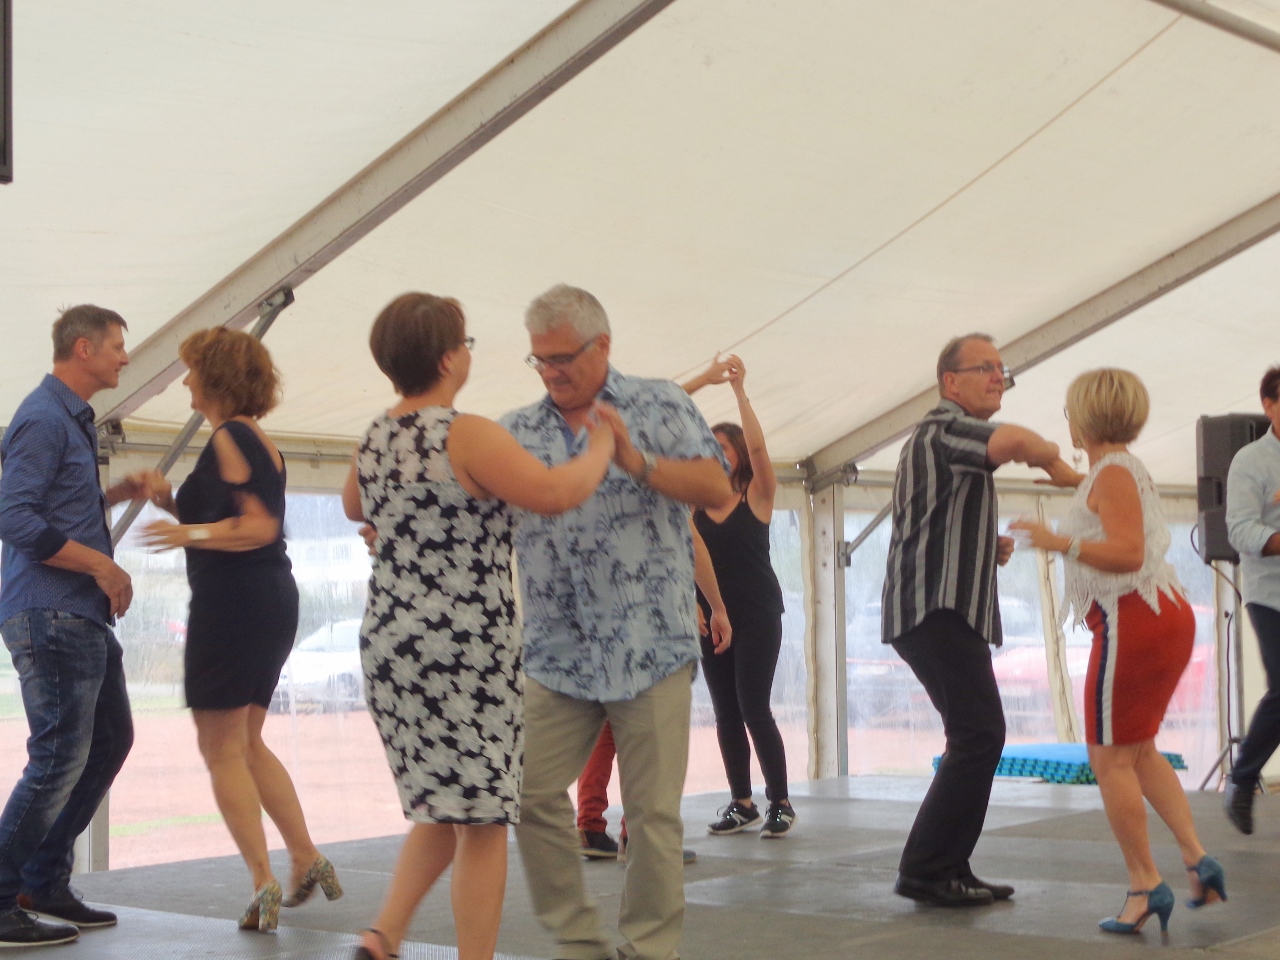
x: 323, y: 672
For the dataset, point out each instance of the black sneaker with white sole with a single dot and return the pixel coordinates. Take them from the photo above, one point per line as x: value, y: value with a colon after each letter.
x: 778, y: 820
x: 21, y: 929
x: 734, y: 819
x: 67, y: 907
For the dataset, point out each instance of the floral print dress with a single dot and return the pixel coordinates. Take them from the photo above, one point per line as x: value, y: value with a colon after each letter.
x: 439, y: 643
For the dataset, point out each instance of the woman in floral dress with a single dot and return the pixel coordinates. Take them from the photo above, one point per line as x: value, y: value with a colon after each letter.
x: 439, y: 643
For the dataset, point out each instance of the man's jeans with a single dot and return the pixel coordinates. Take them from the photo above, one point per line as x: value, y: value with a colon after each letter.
x: 72, y: 676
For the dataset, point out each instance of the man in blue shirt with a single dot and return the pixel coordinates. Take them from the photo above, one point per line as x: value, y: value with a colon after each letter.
x: 610, y: 627
x: 1253, y: 527
x: 60, y: 590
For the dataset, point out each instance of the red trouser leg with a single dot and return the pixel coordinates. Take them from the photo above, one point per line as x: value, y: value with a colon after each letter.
x: 593, y: 784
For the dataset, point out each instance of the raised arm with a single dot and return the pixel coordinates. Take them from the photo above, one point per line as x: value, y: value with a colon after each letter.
x: 717, y: 373
x: 764, y: 482
x: 1013, y: 444
x: 489, y: 460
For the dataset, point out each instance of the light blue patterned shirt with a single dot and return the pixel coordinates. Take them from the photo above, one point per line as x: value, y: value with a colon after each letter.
x: 607, y: 587
x: 1253, y: 515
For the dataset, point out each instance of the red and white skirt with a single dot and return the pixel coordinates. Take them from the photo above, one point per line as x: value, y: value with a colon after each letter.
x: 1134, y: 667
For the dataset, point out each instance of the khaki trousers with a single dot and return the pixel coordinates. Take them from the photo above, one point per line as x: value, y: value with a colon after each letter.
x: 652, y: 734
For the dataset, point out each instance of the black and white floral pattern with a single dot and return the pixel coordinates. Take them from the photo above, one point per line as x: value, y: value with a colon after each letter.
x: 439, y: 643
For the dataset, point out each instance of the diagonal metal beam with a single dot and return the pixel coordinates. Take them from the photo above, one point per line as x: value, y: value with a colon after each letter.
x: 1225, y: 20
x: 1148, y: 284
x: 560, y: 52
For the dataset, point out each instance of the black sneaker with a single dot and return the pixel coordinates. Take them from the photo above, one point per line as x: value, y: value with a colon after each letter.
x: 20, y: 929
x: 778, y: 820
x: 598, y: 845
x: 67, y: 907
x: 733, y: 819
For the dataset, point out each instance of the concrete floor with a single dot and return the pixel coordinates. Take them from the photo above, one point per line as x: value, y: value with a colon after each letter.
x: 823, y: 892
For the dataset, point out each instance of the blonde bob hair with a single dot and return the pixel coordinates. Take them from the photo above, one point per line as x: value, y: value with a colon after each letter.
x: 1107, y: 406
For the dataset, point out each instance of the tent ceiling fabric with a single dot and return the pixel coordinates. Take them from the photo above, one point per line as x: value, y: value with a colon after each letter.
x: 158, y: 145
x: 831, y: 189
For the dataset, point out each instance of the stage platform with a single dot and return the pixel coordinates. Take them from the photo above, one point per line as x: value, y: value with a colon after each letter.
x: 824, y: 892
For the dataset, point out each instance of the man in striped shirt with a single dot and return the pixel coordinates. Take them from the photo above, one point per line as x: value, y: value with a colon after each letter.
x: 940, y: 607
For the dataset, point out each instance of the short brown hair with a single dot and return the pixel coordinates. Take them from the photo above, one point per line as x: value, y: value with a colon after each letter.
x: 1108, y: 405
x: 234, y: 370
x: 411, y: 336
x: 949, y: 358
x: 85, y: 322
x: 741, y: 477
x: 1270, y: 388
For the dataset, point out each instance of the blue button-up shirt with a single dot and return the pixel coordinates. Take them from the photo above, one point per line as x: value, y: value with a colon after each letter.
x: 49, y: 494
x: 1253, y: 516
x: 607, y: 587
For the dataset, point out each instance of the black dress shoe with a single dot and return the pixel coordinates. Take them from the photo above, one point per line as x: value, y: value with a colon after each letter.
x: 66, y: 906
x: 999, y: 891
x: 1239, y: 805
x: 943, y: 893
x: 21, y: 929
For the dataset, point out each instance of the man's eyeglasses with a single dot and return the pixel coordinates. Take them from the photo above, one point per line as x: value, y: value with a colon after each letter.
x: 469, y: 342
x: 558, y: 361
x: 989, y: 370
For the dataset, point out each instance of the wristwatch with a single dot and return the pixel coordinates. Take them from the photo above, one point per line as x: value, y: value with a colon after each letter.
x: 646, y: 467
x: 1073, y: 549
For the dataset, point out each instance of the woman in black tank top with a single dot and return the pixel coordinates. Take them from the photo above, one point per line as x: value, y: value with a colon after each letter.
x: 741, y: 678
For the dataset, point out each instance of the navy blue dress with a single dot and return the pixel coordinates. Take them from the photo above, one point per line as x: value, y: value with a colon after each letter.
x: 244, y: 606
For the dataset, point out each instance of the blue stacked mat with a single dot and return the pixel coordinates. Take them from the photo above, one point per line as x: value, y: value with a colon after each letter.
x: 1054, y: 762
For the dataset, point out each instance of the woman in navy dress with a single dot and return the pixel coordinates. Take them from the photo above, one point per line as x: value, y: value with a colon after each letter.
x: 244, y: 609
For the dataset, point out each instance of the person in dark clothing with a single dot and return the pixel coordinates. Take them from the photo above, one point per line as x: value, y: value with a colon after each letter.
x: 941, y: 611
x: 244, y: 609
x: 740, y: 679
x: 1253, y: 526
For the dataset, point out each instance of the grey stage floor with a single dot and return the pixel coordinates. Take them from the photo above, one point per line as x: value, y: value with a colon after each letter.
x: 824, y: 892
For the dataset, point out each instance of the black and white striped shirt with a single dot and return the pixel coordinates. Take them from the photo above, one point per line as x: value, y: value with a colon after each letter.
x: 942, y: 553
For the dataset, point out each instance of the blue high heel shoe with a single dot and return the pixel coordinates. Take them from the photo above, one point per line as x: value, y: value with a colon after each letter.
x: 1160, y: 901
x: 1212, y: 880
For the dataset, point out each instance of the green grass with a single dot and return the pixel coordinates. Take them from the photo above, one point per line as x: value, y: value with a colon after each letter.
x: 151, y: 826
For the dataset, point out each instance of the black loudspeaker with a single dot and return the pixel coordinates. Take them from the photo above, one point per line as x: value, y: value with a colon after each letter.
x: 1217, y: 441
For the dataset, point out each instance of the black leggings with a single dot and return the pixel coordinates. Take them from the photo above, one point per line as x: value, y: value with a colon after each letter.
x: 740, y: 681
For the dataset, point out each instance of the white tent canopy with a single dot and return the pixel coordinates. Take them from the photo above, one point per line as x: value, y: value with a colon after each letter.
x: 831, y: 189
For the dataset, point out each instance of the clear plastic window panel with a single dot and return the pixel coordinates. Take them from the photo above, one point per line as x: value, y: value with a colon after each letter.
x: 893, y: 727
x: 790, y: 696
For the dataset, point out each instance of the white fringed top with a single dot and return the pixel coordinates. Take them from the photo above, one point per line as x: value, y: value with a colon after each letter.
x: 1085, y: 584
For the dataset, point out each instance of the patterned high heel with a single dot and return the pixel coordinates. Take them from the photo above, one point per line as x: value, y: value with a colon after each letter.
x: 321, y: 872
x: 263, y: 911
x: 364, y: 953
x: 1160, y: 901
x: 1212, y: 880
